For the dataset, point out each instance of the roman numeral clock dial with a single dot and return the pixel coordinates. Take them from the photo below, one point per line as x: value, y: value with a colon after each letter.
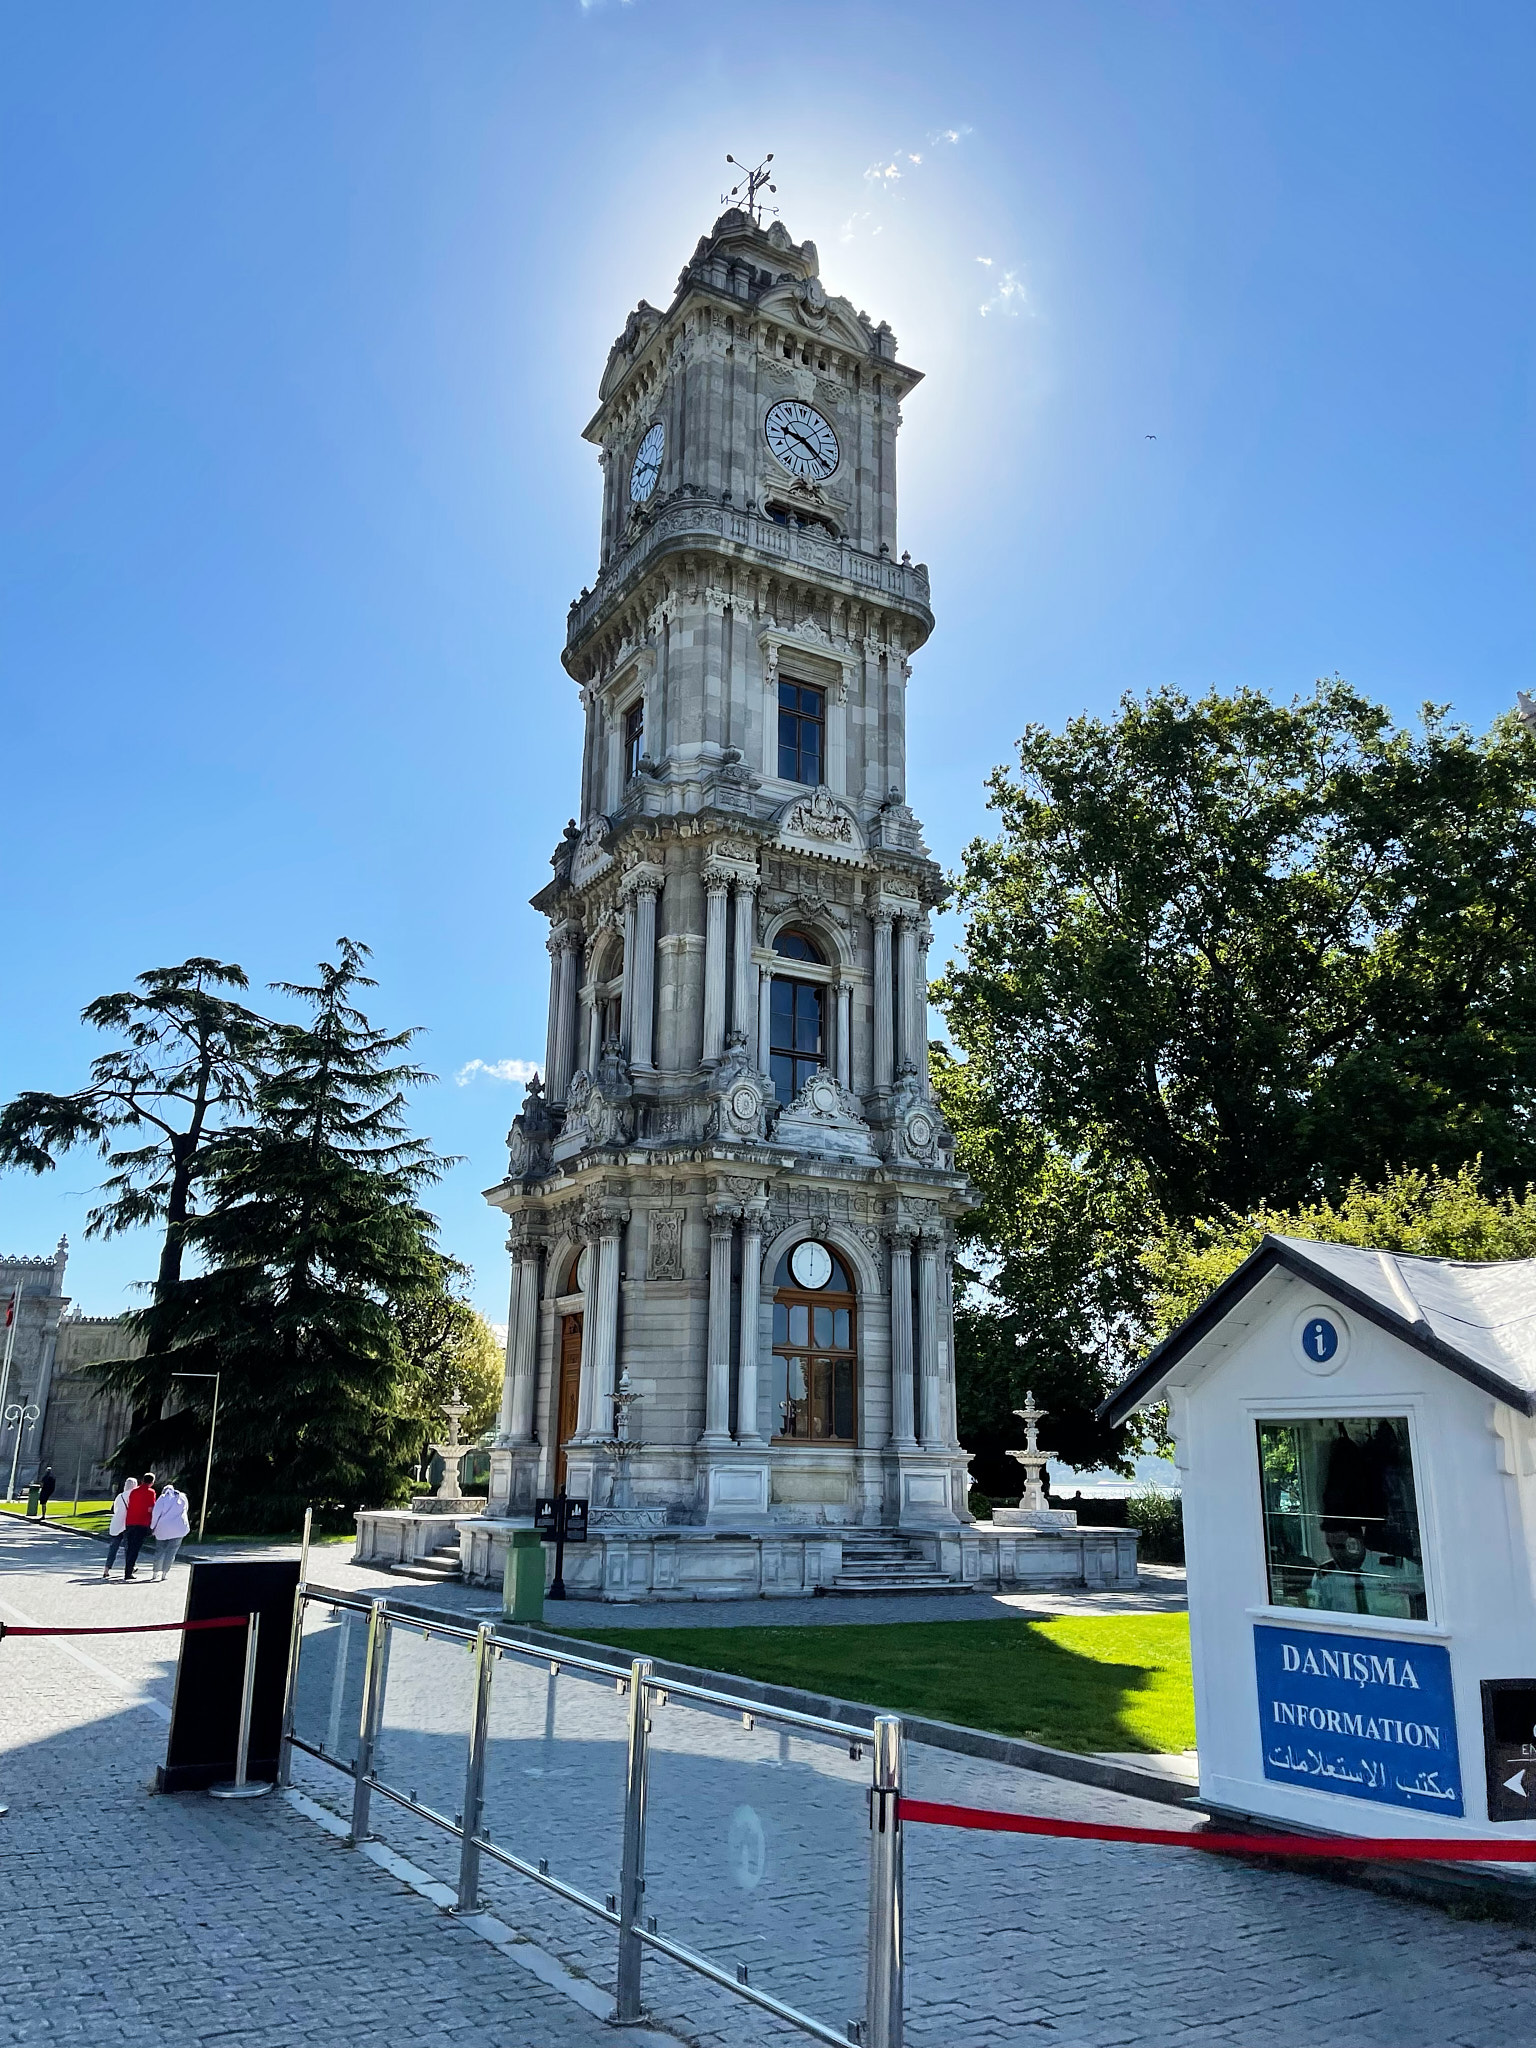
x: 802, y: 440
x: 647, y: 464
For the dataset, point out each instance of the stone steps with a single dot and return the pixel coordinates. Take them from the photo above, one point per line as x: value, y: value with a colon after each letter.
x: 437, y: 1568
x: 877, y: 1563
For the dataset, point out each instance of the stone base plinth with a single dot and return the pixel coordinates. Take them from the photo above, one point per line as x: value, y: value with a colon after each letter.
x: 630, y: 1563
x: 397, y: 1536
x: 1050, y: 1519
x: 448, y: 1504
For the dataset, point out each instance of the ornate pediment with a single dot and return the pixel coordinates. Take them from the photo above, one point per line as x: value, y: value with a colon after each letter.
x: 806, y: 303
x: 591, y: 857
x: 821, y: 823
x: 825, y: 1118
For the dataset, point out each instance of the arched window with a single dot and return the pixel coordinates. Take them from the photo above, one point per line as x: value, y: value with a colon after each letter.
x: 815, y: 1359
x: 797, y: 1022
x: 576, y: 1272
x: 605, y: 998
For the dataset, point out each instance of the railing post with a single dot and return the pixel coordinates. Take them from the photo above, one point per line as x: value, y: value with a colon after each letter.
x: 883, y: 2001
x: 632, y: 1873
x: 474, y: 1773
x: 368, y: 1718
x: 290, y: 1686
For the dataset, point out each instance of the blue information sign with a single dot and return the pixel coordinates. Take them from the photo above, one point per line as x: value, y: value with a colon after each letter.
x: 1363, y: 1716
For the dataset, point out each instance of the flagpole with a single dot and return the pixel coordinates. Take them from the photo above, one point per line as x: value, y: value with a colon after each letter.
x: 12, y: 1325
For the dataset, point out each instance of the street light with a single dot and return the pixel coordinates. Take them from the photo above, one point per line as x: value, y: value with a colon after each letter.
x: 21, y: 1413
x: 213, y: 1423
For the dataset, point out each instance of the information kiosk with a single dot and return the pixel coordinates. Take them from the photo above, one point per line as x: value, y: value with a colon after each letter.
x: 1355, y: 1437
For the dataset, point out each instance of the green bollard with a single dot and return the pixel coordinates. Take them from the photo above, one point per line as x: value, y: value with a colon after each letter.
x: 33, y: 1493
x: 522, y: 1580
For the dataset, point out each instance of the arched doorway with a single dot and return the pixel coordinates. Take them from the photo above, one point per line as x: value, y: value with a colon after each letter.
x: 815, y: 1347
x: 568, y: 1398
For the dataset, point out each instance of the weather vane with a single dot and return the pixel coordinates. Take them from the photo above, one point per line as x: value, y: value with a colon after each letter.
x: 751, y: 185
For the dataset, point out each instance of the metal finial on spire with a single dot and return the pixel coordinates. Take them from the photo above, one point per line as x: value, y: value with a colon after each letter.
x: 750, y: 185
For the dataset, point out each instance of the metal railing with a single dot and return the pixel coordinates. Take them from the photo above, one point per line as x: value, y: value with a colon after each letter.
x: 338, y: 1711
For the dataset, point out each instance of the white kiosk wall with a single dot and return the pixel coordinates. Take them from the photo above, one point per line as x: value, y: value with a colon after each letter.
x: 1360, y: 1527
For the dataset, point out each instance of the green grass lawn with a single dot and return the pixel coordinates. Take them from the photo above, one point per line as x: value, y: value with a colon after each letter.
x: 1086, y: 1682
x: 92, y: 1514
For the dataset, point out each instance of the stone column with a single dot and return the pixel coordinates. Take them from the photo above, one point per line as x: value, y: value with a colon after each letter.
x: 588, y: 1338
x: 924, y: 932
x: 764, y: 1019
x: 594, y: 1033
x: 717, y: 1382
x: 843, y: 995
x: 751, y: 1298
x: 883, y: 1070
x: 514, y: 1317
x: 903, y: 1421
x: 627, y: 992
x: 565, y: 1023
x: 906, y: 984
x: 552, y: 1035
x: 929, y: 1250
x: 523, y: 1346
x: 717, y: 886
x: 643, y: 979
x: 744, y: 995
x: 602, y: 1326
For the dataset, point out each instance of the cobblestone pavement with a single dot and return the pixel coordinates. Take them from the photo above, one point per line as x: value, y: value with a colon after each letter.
x: 756, y: 1855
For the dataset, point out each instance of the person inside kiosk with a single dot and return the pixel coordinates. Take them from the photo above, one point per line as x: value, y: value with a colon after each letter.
x: 1341, y: 1519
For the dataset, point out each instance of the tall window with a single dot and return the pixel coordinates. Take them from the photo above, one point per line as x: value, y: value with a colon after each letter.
x: 1341, y: 1516
x: 802, y: 723
x: 796, y: 1020
x: 634, y: 737
x: 815, y: 1380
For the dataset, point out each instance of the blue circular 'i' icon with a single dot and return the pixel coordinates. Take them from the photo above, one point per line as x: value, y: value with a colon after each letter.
x: 1320, y: 1340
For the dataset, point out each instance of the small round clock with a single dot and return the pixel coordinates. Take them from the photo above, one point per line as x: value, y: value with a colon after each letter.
x: 802, y: 440
x: 811, y: 1264
x: 647, y: 464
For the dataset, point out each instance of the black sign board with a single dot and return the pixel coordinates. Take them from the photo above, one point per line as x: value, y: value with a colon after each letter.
x: 559, y: 1518
x: 205, y: 1715
x: 1509, y: 1744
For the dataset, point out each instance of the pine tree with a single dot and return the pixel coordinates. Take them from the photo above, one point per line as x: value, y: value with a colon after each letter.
x: 313, y: 1233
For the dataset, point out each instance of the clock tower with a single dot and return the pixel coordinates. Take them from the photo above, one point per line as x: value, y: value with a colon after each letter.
x: 732, y: 1196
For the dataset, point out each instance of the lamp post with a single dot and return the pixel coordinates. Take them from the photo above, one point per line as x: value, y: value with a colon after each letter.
x: 21, y: 1413
x: 213, y: 1423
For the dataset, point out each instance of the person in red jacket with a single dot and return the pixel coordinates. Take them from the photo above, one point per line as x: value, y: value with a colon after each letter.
x: 141, y: 1512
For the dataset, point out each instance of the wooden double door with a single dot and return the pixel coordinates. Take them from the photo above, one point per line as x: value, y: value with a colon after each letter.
x: 569, y: 1411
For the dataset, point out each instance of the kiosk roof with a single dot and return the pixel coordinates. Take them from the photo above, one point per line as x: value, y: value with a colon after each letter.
x: 1477, y: 1319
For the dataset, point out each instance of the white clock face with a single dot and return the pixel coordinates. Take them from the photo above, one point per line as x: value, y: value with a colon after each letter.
x: 647, y: 464
x: 811, y: 1265
x: 802, y: 440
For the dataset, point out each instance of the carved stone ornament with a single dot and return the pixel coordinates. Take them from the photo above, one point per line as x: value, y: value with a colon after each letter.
x: 740, y: 1094
x: 916, y: 1133
x: 599, y: 1108
x: 664, y: 1259
x: 823, y: 822
x: 528, y: 1141
x: 591, y: 857
x: 824, y: 1117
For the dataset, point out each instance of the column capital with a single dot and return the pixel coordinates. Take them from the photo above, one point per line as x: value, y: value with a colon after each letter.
x: 902, y: 1236
x: 604, y: 1218
x: 717, y: 880
x: 644, y: 881
x: 882, y: 914
x: 723, y: 1217
x: 753, y: 1215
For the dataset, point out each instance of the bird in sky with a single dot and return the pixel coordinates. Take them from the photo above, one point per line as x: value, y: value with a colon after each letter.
x: 1149, y: 437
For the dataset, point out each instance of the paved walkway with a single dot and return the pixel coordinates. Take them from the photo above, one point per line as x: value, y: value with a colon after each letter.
x: 254, y: 1927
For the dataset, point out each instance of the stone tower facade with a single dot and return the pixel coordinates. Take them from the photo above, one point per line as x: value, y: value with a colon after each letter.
x: 732, y: 1196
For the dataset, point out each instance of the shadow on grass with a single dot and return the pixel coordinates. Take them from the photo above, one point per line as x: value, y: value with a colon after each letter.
x: 1100, y: 1682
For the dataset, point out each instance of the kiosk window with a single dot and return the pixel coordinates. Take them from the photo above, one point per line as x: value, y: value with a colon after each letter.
x: 1341, y: 1518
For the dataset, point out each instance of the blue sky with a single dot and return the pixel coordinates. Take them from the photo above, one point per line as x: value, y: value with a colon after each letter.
x: 305, y: 306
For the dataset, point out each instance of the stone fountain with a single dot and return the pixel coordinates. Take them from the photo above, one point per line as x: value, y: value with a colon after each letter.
x: 1033, y: 1510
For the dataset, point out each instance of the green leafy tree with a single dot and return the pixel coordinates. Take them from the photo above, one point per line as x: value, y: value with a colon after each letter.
x: 188, y: 1063
x: 449, y: 1349
x: 312, y: 1235
x: 1222, y: 954
x: 1425, y: 1212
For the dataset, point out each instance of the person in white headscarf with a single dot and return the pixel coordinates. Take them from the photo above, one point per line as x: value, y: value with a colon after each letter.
x: 170, y: 1523
x: 117, y: 1528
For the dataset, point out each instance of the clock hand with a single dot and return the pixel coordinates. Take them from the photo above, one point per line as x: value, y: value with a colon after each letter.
x: 809, y: 447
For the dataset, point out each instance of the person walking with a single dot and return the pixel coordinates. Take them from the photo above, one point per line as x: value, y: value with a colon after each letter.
x: 171, y: 1522
x: 117, y: 1527
x: 46, y: 1489
x: 141, y: 1514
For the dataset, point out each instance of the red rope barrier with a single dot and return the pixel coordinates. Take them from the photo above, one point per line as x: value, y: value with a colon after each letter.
x: 136, y: 1628
x: 1353, y: 1848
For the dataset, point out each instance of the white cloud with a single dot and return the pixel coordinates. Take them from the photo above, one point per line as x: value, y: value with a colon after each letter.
x: 498, y: 1070
x: 985, y: 259
x: 883, y: 176
x: 950, y: 135
x: 1011, y: 296
x: 858, y: 224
